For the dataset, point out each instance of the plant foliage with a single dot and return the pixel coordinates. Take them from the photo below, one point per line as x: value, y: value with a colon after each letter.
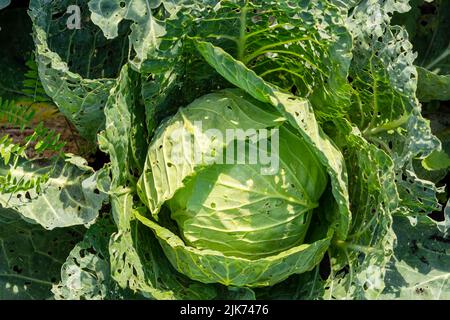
x: 340, y: 82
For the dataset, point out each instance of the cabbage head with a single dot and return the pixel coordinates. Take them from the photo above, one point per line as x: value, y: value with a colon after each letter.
x: 224, y: 219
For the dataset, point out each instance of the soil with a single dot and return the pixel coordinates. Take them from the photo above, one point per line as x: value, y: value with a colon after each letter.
x: 59, y: 124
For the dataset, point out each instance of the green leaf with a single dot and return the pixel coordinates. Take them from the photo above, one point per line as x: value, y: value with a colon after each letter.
x: 437, y: 160
x: 386, y: 110
x: 125, y: 138
x: 303, y: 47
x: 77, y: 67
x: 31, y: 257
x: 146, y: 32
x: 420, y: 269
x: 235, y: 271
x: 369, y: 245
x: 433, y: 86
x: 68, y: 197
x: 160, y: 52
x: 86, y: 274
x: 4, y: 3
x: 427, y: 24
x: 117, y: 137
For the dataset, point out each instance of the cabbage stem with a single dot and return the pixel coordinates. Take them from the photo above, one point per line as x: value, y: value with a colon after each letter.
x: 391, y: 125
x: 356, y: 247
x: 242, y: 32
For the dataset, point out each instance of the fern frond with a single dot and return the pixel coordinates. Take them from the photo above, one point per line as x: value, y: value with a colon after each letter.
x: 13, y: 176
x: 45, y: 140
x: 10, y: 150
x: 32, y: 85
x: 12, y: 114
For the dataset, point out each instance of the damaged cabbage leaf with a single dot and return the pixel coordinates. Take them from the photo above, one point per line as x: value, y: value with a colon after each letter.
x: 68, y: 196
x: 4, y: 3
x: 420, y: 268
x: 428, y: 24
x: 86, y: 274
x: 31, y: 257
x: 77, y: 64
x: 264, y: 35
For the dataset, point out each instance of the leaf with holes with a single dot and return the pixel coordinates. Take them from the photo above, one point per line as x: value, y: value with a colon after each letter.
x: 31, y: 257
x: 68, y: 195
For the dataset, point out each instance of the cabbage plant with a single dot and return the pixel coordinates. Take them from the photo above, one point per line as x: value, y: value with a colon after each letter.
x: 243, y: 150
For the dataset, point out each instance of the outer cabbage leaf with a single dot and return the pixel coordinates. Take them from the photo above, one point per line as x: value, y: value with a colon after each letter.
x: 125, y: 137
x: 68, y: 197
x: 378, y: 75
x: 384, y: 81
x: 159, y: 51
x: 239, y: 272
x: 420, y: 268
x: 428, y: 24
x: 301, y: 47
x: 4, y: 3
x: 146, y: 31
x: 31, y: 257
x: 358, y: 265
x: 262, y: 34
x: 76, y: 66
x: 393, y: 134
x: 86, y: 274
x: 433, y: 86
